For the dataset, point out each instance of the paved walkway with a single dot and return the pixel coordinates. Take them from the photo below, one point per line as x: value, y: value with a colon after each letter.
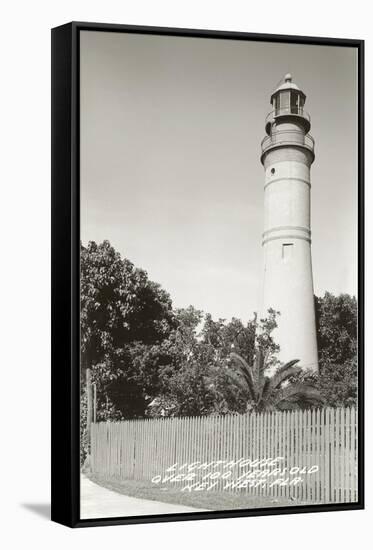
x: 98, y: 502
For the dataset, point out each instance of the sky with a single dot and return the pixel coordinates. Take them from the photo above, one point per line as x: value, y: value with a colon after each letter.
x: 170, y: 160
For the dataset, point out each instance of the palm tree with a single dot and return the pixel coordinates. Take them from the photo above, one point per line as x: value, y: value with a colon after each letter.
x: 272, y: 392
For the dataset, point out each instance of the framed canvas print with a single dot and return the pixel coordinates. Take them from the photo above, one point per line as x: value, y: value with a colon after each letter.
x: 207, y: 274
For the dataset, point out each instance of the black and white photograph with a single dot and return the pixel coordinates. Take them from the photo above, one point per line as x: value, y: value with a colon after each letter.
x: 186, y: 196
x: 219, y: 351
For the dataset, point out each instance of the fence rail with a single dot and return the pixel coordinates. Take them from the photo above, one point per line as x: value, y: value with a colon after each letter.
x: 324, y: 438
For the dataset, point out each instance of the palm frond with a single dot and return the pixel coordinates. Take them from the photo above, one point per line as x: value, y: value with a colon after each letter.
x: 246, y: 372
x: 260, y: 365
x: 298, y: 393
x: 264, y: 389
x: 284, y: 373
x: 241, y: 383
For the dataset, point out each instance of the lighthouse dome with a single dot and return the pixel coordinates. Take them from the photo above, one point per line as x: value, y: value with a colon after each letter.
x: 288, y: 101
x: 287, y: 84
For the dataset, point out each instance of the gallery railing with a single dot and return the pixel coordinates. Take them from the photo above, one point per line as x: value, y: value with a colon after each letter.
x: 288, y: 137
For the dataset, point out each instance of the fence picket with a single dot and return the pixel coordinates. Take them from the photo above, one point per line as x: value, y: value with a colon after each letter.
x: 140, y: 449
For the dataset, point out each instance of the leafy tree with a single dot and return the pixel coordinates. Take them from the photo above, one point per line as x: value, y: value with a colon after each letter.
x: 124, y: 317
x: 185, y: 388
x: 119, y: 304
x: 194, y: 380
x: 197, y: 380
x: 336, y: 318
x: 338, y: 383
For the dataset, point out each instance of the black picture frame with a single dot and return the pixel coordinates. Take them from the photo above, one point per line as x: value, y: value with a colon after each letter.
x: 65, y: 271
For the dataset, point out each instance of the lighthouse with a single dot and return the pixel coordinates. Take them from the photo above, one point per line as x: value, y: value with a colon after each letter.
x: 287, y: 153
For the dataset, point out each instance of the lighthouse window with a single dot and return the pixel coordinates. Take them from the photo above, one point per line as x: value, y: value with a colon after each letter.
x: 287, y: 251
x: 295, y: 107
x: 285, y: 100
x: 273, y: 171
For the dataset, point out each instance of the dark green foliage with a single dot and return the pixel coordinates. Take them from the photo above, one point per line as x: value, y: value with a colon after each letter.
x: 200, y: 379
x: 195, y: 381
x: 119, y: 305
x: 336, y: 318
x: 124, y: 318
x: 338, y: 383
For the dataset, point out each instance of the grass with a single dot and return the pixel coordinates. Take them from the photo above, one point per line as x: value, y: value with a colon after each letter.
x: 207, y: 500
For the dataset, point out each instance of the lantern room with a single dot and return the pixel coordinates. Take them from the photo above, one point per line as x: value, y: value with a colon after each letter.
x: 288, y: 101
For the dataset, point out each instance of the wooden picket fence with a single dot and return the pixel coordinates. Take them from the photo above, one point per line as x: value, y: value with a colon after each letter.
x: 327, y: 438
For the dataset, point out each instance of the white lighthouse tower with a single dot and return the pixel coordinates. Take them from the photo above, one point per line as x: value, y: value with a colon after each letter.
x: 287, y: 155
